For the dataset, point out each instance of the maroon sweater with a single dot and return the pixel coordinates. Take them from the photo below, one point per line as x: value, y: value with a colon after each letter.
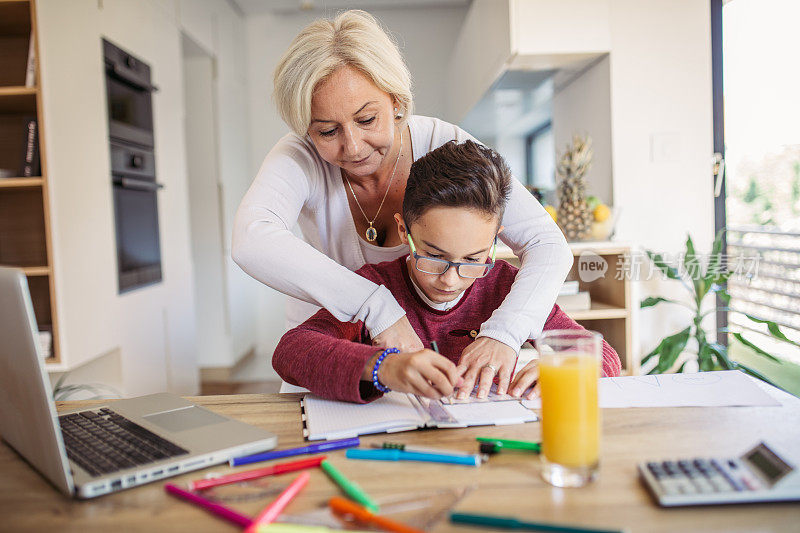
x: 327, y: 356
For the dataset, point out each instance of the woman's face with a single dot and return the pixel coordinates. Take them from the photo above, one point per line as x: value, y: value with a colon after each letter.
x: 352, y: 122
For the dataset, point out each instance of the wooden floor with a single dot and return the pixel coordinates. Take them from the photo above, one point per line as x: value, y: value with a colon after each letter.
x: 228, y: 387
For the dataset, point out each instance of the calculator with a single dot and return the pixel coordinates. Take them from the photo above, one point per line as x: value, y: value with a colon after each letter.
x: 760, y: 475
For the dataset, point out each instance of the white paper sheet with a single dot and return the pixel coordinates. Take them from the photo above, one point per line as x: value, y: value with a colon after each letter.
x: 724, y: 388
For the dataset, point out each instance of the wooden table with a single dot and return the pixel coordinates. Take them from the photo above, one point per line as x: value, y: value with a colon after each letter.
x: 508, y: 484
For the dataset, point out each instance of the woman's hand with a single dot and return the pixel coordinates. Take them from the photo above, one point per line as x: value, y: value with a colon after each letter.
x: 425, y: 373
x: 399, y: 335
x: 526, y: 378
x: 482, y: 360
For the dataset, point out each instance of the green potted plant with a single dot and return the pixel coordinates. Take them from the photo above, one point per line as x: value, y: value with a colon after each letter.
x: 702, y: 282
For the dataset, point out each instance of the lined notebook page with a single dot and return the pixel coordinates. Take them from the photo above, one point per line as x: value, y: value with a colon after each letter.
x: 328, y: 419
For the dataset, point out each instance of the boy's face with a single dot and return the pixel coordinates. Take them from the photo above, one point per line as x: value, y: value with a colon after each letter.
x: 457, y: 234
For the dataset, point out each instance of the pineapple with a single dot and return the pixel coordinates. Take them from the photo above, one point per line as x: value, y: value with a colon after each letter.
x: 574, y: 215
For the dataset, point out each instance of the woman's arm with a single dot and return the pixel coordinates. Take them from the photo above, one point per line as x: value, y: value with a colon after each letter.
x: 545, y: 262
x: 264, y: 246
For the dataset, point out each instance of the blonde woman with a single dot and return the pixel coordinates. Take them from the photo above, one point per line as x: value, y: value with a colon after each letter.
x: 344, y: 90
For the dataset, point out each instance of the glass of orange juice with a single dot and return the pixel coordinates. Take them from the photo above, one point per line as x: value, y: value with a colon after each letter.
x: 569, y: 367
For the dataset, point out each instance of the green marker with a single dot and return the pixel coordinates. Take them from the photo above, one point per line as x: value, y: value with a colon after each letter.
x: 355, y: 492
x: 500, y: 444
x: 505, y: 522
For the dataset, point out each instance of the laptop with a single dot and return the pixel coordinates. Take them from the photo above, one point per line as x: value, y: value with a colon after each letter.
x: 95, y: 451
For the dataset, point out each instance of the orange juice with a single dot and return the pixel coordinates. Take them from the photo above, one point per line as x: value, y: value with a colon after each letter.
x: 570, y: 414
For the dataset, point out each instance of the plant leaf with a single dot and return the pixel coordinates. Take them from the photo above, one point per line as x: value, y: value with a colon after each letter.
x: 722, y: 292
x: 721, y: 353
x: 714, y: 273
x: 671, y: 348
x: 756, y: 349
x: 680, y: 368
x: 661, y: 264
x: 651, y: 301
x: 652, y: 354
x: 773, y: 328
x: 755, y: 373
x: 690, y: 261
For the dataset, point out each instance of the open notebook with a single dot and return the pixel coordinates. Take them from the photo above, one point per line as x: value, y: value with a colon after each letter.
x: 396, y: 411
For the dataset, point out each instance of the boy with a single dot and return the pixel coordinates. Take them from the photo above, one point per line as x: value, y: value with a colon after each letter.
x: 449, y: 285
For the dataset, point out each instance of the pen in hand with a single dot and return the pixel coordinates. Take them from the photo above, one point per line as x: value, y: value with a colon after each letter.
x: 435, y: 348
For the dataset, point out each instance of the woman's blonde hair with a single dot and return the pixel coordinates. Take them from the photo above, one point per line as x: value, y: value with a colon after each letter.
x: 354, y: 38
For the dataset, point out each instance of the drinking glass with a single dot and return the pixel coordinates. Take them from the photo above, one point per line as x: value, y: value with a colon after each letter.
x: 569, y: 367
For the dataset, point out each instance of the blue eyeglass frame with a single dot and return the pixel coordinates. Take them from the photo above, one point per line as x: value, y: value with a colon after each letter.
x: 489, y: 266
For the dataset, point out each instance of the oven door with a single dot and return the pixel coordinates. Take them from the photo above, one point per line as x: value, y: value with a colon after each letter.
x: 138, y: 242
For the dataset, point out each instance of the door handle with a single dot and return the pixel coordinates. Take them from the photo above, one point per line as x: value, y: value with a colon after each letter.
x: 718, y: 166
x: 139, y: 185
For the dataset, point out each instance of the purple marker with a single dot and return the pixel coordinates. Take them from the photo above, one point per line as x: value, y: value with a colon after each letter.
x: 311, y: 448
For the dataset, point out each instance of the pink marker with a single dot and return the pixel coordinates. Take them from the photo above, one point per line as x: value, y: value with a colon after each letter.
x: 212, y: 507
x: 271, y: 511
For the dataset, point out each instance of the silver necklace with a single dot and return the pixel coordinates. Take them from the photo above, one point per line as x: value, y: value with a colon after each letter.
x: 372, y: 234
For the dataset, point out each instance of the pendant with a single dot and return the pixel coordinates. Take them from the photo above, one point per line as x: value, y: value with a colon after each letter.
x: 371, y: 233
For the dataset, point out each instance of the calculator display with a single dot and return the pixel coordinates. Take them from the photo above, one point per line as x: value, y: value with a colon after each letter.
x: 769, y: 464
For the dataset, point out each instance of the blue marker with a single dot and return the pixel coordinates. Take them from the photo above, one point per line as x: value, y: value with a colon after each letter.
x: 312, y: 448
x: 400, y: 455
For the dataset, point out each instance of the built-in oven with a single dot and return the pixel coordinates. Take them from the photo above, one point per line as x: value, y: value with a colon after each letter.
x: 133, y: 169
x: 129, y: 96
x: 136, y: 216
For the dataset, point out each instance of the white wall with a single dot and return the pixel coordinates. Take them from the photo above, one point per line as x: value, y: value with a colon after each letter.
x: 659, y: 122
x: 152, y: 329
x: 582, y: 105
x: 426, y: 38
x: 661, y: 94
x: 211, y: 305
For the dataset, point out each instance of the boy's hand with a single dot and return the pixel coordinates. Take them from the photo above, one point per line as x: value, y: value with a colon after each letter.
x: 526, y: 378
x: 482, y: 360
x: 399, y: 335
x: 425, y: 373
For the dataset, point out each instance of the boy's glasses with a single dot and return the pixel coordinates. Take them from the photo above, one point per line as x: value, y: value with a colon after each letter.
x: 432, y: 265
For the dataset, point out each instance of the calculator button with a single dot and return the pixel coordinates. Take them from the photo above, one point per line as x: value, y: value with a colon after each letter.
x: 703, y: 485
x: 670, y: 487
x: 686, y: 487
x: 720, y: 484
x: 702, y: 464
x: 751, y: 483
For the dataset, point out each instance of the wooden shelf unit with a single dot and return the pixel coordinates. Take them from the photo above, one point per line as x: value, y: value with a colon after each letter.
x: 25, y: 234
x: 612, y: 312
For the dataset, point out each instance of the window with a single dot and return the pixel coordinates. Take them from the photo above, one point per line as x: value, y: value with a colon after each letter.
x: 540, y: 158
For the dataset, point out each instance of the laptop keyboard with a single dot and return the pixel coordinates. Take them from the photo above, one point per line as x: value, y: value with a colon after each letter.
x: 103, y: 441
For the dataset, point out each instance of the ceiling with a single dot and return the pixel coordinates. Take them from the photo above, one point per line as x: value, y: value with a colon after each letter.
x: 256, y: 7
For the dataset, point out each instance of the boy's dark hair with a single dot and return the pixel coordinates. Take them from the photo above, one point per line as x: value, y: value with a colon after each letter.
x: 457, y: 175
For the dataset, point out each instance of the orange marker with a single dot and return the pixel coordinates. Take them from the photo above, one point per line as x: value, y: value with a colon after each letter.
x: 346, y: 507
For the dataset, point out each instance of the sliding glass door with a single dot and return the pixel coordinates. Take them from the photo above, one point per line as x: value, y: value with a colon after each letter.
x: 755, y: 44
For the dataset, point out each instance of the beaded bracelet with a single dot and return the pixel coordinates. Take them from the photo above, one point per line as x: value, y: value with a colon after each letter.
x: 378, y: 385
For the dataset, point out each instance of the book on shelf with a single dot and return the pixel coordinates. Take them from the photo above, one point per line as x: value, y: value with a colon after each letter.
x: 46, y: 344
x: 569, y: 287
x: 30, y: 148
x: 30, y: 70
x: 575, y: 302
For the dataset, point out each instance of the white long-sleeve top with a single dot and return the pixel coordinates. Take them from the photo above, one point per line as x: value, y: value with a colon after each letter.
x: 296, y: 186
